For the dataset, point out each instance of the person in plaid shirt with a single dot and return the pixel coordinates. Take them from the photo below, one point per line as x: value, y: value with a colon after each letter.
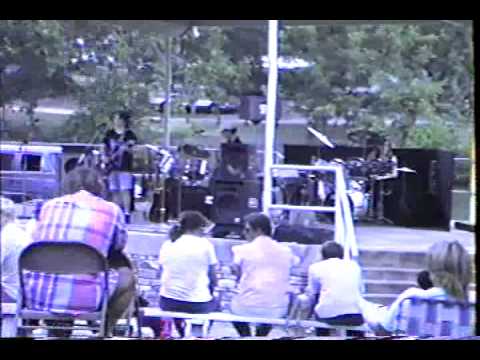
x: 82, y: 216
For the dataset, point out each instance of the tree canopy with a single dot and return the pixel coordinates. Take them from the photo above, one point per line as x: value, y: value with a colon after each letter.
x: 392, y: 79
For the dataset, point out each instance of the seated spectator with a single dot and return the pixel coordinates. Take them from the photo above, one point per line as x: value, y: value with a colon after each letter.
x: 82, y: 216
x: 450, y: 269
x: 188, y: 263
x: 423, y: 280
x: 32, y: 223
x: 12, y: 240
x: 334, y: 286
x: 263, y: 267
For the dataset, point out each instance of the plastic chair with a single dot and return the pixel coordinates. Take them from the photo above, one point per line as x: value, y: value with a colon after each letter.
x: 435, y: 318
x: 63, y: 258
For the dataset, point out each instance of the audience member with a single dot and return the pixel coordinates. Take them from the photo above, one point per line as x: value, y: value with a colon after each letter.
x: 334, y: 287
x: 423, y: 280
x: 450, y: 269
x: 81, y: 215
x: 32, y: 223
x: 263, y: 267
x: 12, y: 240
x: 188, y: 263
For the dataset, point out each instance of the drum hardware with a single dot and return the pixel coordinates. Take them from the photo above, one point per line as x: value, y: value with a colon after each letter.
x: 194, y: 152
x: 194, y: 162
x: 164, y: 162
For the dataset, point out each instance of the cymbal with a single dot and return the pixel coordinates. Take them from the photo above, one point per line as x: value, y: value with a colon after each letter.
x: 322, y: 138
x: 195, y: 152
x: 406, y: 170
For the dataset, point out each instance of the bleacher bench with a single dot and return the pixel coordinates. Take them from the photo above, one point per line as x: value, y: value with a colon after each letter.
x: 203, y: 319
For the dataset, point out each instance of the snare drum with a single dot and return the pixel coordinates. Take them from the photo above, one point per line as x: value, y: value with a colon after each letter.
x: 356, y: 194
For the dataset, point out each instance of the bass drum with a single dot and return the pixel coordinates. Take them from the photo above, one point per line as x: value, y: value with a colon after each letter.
x: 357, y: 199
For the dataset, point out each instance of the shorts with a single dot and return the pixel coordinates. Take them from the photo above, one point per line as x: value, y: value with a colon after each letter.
x: 120, y: 181
x: 168, y: 304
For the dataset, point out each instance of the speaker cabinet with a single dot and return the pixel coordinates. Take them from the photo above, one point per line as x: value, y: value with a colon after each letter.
x: 195, y: 198
x: 423, y: 199
x: 234, y: 200
x: 253, y: 108
x: 234, y: 162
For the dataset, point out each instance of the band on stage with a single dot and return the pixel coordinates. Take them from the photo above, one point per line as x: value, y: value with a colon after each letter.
x: 173, y: 174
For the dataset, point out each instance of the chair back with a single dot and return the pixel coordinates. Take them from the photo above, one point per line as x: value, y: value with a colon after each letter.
x: 59, y: 257
x: 435, y: 318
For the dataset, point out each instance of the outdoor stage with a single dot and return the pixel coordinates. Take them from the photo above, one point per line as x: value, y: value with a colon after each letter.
x: 146, y: 238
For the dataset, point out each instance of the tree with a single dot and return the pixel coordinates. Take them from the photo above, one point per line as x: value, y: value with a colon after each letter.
x: 115, y: 70
x: 415, y: 71
x: 205, y: 70
x: 32, y: 62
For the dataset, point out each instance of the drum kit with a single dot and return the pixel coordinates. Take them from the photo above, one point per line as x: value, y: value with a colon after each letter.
x: 365, y: 180
x: 189, y: 164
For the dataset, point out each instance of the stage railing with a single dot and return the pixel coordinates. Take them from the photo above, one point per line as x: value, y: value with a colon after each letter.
x: 344, y: 229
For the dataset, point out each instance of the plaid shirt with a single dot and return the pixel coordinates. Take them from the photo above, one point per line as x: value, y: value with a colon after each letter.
x: 80, y: 217
x: 433, y: 317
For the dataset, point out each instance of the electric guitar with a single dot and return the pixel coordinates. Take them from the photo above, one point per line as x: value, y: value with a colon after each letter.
x: 114, y: 159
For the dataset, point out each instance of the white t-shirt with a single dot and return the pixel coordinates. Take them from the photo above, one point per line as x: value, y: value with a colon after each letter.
x: 185, y: 264
x: 264, y: 283
x: 13, y: 240
x: 338, y: 282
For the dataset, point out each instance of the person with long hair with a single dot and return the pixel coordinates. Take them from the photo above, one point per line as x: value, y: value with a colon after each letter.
x: 119, y: 141
x: 450, y: 268
x: 188, y: 263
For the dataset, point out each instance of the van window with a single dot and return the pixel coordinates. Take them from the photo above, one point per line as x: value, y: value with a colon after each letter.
x: 6, y: 161
x: 31, y: 162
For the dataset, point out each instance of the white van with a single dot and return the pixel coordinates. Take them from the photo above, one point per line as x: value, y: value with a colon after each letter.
x: 30, y: 171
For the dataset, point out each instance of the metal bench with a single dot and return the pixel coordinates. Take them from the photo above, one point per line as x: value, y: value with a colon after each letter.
x: 204, y: 319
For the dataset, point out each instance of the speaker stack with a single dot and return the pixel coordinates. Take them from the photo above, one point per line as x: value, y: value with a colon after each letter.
x: 235, y: 190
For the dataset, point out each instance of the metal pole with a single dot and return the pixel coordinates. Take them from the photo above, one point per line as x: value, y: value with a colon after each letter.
x: 168, y: 82
x: 473, y: 215
x: 271, y: 107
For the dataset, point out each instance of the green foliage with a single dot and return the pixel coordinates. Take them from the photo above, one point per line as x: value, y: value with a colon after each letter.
x: 422, y: 72
x: 419, y: 72
x: 34, y: 49
x: 125, y: 86
x: 438, y: 135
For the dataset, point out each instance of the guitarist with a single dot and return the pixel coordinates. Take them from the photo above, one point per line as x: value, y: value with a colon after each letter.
x: 119, y: 141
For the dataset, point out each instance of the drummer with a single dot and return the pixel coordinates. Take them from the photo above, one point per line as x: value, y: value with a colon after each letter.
x: 230, y: 135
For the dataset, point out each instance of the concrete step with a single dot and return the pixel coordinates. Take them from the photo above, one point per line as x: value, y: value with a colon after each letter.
x: 382, y: 273
x: 384, y: 299
x: 392, y: 259
x: 387, y: 287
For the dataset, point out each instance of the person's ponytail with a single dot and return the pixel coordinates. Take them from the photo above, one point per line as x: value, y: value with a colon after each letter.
x: 175, y: 232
